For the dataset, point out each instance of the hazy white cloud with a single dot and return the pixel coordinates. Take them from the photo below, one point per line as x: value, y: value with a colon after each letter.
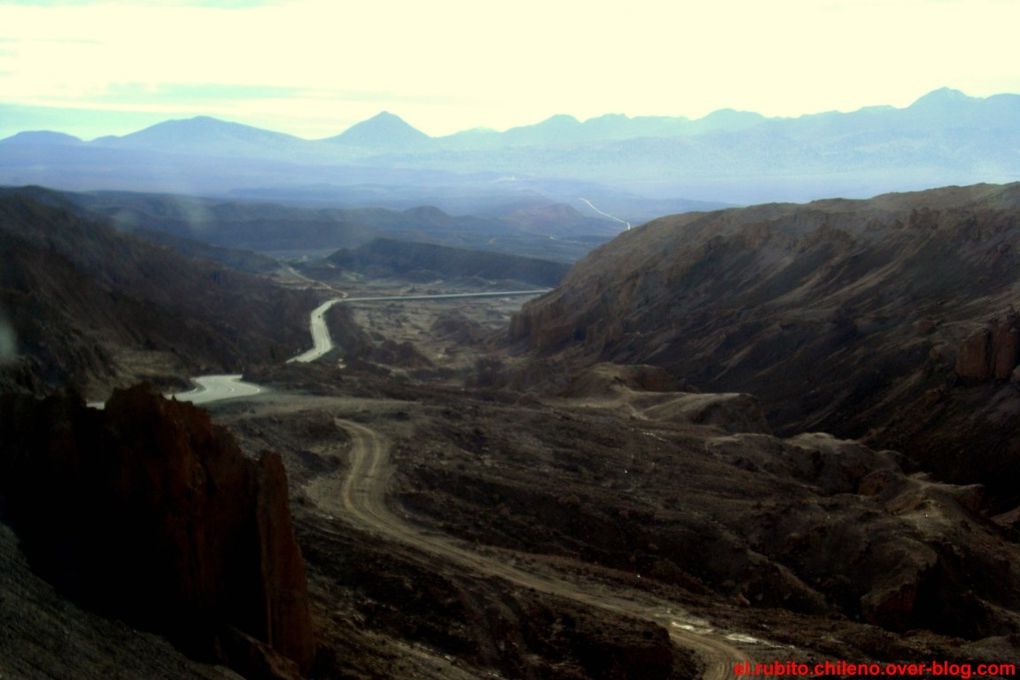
x: 451, y: 64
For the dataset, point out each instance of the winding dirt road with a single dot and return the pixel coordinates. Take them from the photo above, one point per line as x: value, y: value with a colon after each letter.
x: 360, y: 496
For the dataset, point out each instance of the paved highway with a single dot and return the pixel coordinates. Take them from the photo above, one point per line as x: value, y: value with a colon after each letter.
x: 210, y: 388
x: 216, y: 387
x: 321, y: 341
x: 605, y: 214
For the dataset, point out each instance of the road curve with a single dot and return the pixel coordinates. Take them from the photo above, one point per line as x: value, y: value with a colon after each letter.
x: 208, y: 388
x: 211, y: 388
x: 450, y: 296
x: 322, y: 342
x: 360, y: 496
x: 605, y: 214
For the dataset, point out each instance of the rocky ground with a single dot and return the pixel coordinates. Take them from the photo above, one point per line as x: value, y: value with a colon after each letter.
x: 44, y: 635
x: 889, y: 319
x: 457, y: 522
x: 148, y: 513
x: 438, y: 341
x: 507, y: 535
x: 626, y: 486
x: 798, y: 545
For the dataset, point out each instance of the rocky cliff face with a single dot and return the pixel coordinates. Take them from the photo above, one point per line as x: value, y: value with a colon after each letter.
x: 841, y: 316
x: 148, y: 512
x: 992, y: 352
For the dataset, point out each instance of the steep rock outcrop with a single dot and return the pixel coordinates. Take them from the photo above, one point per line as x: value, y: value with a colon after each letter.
x: 287, y: 626
x: 149, y: 512
x: 991, y: 352
x: 1004, y: 350
x: 973, y: 360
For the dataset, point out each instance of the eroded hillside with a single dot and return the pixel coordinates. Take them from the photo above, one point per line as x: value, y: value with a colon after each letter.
x: 90, y: 307
x: 842, y: 316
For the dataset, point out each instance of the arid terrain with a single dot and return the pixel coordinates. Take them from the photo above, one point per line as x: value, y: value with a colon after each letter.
x: 891, y: 319
x: 609, y: 480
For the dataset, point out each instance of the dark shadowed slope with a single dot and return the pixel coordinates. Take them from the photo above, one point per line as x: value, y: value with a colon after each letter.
x: 843, y: 316
x: 386, y: 257
x: 543, y: 230
x: 90, y: 306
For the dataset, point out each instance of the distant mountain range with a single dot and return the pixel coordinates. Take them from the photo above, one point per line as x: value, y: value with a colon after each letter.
x: 382, y: 131
x: 945, y: 137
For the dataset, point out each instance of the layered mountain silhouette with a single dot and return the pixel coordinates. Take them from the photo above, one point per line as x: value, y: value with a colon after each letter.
x: 204, y: 135
x: 545, y: 230
x: 383, y: 131
x: 40, y: 138
x: 945, y: 137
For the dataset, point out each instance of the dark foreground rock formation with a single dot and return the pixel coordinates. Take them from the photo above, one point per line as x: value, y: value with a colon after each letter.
x: 148, y: 512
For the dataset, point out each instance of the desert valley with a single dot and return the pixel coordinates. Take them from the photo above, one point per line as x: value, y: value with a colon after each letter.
x: 642, y: 397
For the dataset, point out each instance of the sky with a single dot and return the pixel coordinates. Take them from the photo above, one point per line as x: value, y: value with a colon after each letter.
x: 314, y: 67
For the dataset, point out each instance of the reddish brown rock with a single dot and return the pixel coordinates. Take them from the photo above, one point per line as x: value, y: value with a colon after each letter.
x: 1005, y: 349
x: 992, y: 352
x: 891, y: 607
x: 1009, y: 520
x: 925, y: 326
x: 973, y: 361
x: 287, y: 626
x: 150, y: 512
